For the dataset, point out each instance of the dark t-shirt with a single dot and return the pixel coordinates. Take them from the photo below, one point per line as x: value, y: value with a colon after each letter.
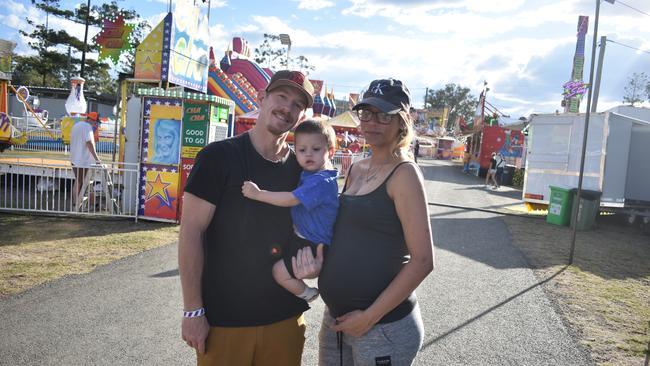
x: 237, y: 285
x: 368, y: 250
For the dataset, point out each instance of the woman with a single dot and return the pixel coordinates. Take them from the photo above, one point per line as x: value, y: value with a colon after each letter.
x: 382, y: 248
x: 492, y: 171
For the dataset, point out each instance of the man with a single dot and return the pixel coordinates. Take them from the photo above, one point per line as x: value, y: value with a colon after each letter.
x: 501, y: 163
x: 83, y: 153
x: 467, y: 157
x: 234, y: 312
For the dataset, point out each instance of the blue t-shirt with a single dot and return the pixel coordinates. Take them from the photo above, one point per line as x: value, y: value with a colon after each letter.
x: 314, y: 217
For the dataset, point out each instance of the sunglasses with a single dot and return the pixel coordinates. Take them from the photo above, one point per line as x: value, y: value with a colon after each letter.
x: 366, y: 115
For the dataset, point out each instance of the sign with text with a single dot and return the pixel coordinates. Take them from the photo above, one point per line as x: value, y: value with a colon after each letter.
x: 188, y: 59
x: 195, y: 124
x: 186, y: 168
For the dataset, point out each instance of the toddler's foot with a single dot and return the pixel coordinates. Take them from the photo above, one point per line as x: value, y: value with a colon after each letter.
x: 310, y: 294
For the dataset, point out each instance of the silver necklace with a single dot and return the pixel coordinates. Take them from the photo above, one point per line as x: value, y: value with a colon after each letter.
x: 277, y: 157
x: 371, y: 176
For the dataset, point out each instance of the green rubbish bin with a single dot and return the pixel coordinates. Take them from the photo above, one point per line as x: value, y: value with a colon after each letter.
x: 507, y: 175
x: 589, y: 203
x: 559, y: 206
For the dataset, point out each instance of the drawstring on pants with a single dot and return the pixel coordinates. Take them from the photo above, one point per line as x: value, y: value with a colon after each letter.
x: 339, y: 345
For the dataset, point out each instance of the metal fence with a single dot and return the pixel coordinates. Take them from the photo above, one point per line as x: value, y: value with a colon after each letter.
x: 50, y: 186
x: 342, y: 161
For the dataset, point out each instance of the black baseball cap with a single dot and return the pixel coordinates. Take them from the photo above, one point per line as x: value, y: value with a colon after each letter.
x: 294, y: 79
x: 388, y: 95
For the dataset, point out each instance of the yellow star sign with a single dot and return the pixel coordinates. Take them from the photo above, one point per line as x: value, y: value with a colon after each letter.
x: 147, y: 65
x: 158, y: 188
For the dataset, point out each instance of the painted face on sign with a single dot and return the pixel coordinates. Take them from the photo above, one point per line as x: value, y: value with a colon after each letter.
x: 166, y: 141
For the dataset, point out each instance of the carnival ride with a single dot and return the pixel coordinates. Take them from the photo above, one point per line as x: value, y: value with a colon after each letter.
x: 234, y: 86
x: 9, y: 134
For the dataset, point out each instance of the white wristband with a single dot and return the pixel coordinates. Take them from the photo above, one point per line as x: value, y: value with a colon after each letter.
x: 194, y: 313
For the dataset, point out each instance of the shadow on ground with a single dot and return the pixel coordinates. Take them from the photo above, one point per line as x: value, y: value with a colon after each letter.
x: 434, y: 340
x: 606, y: 251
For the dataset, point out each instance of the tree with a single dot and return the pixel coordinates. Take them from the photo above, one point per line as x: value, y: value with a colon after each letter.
x: 637, y: 84
x: 273, y: 55
x: 267, y: 53
x: 58, y: 53
x: 457, y: 99
x: 303, y: 64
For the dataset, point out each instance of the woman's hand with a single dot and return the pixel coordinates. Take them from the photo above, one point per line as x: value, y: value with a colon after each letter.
x: 304, y: 263
x: 355, y: 323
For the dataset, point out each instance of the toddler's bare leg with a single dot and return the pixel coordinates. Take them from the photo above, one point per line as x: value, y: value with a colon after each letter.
x: 293, y: 285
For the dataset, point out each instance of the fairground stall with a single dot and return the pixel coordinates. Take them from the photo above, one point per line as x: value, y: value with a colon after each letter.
x: 165, y: 116
x: 616, y: 160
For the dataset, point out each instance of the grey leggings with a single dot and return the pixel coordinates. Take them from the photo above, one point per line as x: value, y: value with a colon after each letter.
x: 389, y: 344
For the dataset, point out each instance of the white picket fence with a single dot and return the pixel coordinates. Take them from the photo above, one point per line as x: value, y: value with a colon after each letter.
x: 47, y: 185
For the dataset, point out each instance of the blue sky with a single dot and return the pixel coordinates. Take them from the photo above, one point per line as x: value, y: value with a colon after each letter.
x: 523, y: 48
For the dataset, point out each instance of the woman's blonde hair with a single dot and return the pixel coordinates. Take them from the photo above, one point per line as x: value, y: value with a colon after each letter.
x: 405, y: 135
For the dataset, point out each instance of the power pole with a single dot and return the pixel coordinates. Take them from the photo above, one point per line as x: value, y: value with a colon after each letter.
x: 83, y: 53
x: 599, y: 72
x: 426, y: 95
x: 574, y: 219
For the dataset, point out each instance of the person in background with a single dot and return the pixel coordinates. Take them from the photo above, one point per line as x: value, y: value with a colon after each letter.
x: 416, y: 150
x: 467, y: 157
x: 492, y: 171
x: 500, y: 165
x: 83, y: 153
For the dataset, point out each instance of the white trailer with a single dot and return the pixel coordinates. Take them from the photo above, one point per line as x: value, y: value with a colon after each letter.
x: 617, y: 159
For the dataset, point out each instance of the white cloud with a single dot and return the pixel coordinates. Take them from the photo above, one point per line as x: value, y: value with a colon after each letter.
x: 493, y: 6
x: 314, y: 4
x: 246, y: 28
x: 13, y: 21
x: 523, y: 48
x: 213, y: 3
x: 352, y: 58
x: 218, y: 4
x: 218, y: 37
x: 155, y: 19
x: 469, y: 19
x: 15, y: 7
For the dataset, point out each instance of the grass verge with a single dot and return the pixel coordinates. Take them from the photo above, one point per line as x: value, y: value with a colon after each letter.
x: 605, y: 295
x: 37, y: 249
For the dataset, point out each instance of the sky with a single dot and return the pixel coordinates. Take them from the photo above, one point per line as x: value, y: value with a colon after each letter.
x: 523, y: 49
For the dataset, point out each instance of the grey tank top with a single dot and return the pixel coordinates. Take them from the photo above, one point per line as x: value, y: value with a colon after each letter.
x: 367, y: 251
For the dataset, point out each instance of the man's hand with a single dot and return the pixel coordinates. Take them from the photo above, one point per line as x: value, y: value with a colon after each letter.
x: 250, y: 189
x: 195, y: 332
x: 304, y: 263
